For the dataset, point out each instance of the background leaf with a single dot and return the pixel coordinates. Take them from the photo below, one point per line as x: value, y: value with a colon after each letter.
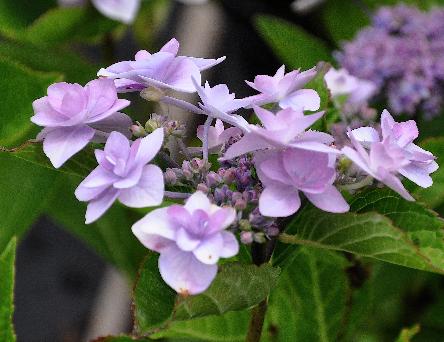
x: 292, y: 44
x: 7, y: 273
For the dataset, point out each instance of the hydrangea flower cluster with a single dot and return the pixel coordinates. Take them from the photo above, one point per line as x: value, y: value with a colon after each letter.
x: 403, y: 54
x: 241, y: 180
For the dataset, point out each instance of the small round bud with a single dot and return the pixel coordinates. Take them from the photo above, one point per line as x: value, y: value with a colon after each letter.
x: 202, y: 187
x: 138, y: 131
x: 259, y: 237
x: 170, y: 177
x: 246, y: 237
x: 152, y: 94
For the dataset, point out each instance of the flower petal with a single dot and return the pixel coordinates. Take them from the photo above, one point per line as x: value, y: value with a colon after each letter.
x: 184, y: 273
x: 97, y: 207
x: 279, y: 201
x: 209, y: 250
x: 62, y: 143
x: 330, y: 200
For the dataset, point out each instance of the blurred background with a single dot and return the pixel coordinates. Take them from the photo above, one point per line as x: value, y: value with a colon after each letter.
x: 72, y: 280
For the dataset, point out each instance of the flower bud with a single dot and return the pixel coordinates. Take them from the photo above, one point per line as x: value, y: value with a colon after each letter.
x: 170, y: 177
x: 202, y: 187
x: 259, y: 237
x: 213, y: 179
x: 138, y: 131
x: 246, y: 237
x: 229, y: 176
x: 152, y: 94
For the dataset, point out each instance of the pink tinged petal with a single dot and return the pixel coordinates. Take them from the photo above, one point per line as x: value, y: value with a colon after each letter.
x: 121, y: 10
x: 118, y: 122
x: 267, y: 118
x: 172, y: 46
x: 221, y: 219
x: 184, y: 273
x: 130, y: 179
x: 417, y: 175
x: 431, y: 167
x: 358, y: 160
x: 273, y: 170
x: 148, y: 147
x: 62, y: 143
x: 196, y: 201
x: 231, y: 245
x: 314, y: 146
x: 316, y: 136
x: 308, y: 171
x: 405, y: 132
x: 304, y: 99
x: 209, y: 250
x: 394, y: 183
x: 45, y: 115
x: 99, y: 177
x: 330, y: 200
x: 98, y: 206
x: 118, y: 105
x: 387, y: 123
x: 149, y: 190
x: 279, y: 201
x: 219, y: 127
x: 228, y: 133
x: 419, y: 154
x: 117, y: 147
x: 101, y: 94
x: 185, y: 240
x: 142, y: 54
x: 365, y: 135
x: 204, y: 63
x: 67, y: 98
x: 155, y: 224
x: 85, y: 194
x: 249, y: 143
x: 43, y: 133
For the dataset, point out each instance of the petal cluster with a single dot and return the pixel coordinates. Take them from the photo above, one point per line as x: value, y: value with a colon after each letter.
x: 285, y: 173
x: 124, y: 173
x: 384, y: 157
x: 163, y: 70
x: 190, y: 239
x: 73, y: 115
x: 286, y: 90
x: 217, y: 135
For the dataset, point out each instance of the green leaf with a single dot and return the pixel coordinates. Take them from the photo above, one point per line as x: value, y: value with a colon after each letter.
x: 63, y: 24
x: 7, y: 271
x: 394, y: 235
x: 434, y: 196
x: 19, y: 87
x: 24, y: 192
x: 236, y: 287
x: 110, y: 236
x: 80, y: 165
x: 343, y: 19
x: 73, y: 67
x: 291, y: 43
x: 121, y: 338
x: 309, y: 301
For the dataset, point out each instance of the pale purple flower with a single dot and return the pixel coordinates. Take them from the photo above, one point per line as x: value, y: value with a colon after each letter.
x: 285, y: 173
x: 397, y: 148
x: 74, y: 115
x: 286, y: 90
x: 121, y: 10
x: 124, y: 174
x: 285, y: 129
x: 217, y: 135
x: 163, y: 70
x: 341, y: 83
x: 190, y: 239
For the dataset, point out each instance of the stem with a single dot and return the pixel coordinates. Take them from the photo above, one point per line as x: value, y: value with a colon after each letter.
x: 207, y: 125
x: 257, y: 322
x: 176, y: 195
x: 355, y: 186
x: 261, y: 253
x: 181, y: 104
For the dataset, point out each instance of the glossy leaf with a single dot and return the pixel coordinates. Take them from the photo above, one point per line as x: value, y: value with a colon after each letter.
x: 7, y: 273
x: 236, y: 287
x: 309, y: 301
x: 292, y: 44
x: 395, y: 237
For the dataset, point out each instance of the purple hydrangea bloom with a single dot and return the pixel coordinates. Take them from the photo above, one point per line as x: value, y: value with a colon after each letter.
x: 403, y: 54
x: 285, y: 129
x: 163, y: 69
x: 218, y: 135
x: 121, y: 10
x: 285, y: 173
x: 190, y: 239
x: 74, y: 115
x: 395, y: 153
x: 124, y: 174
x: 285, y: 89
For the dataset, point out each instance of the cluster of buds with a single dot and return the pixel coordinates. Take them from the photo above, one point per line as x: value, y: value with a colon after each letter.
x: 170, y: 127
